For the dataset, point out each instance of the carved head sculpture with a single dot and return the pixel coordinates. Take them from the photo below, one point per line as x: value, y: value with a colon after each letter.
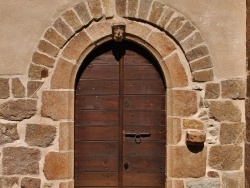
x: 118, y: 31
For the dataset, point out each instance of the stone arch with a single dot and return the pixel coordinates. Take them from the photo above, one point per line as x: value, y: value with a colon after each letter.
x: 149, y: 23
x: 151, y: 12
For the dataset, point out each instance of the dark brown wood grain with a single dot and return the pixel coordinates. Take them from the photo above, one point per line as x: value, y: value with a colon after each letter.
x: 105, y: 179
x: 144, y: 102
x: 144, y: 118
x: 97, y: 102
x: 96, y: 133
x: 96, y: 164
x: 143, y: 179
x: 120, y: 91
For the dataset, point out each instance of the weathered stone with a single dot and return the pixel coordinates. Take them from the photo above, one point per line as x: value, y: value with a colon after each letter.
x: 212, y: 91
x: 232, y: 133
x: 56, y: 39
x: 197, y: 87
x: 161, y: 43
x: 63, y: 28
x: 193, y: 124
x: 178, y: 184
x: 212, y: 130
x: 156, y: 11
x: 200, y: 64
x: 183, y: 162
x: 173, y: 130
x: 227, y: 157
x: 120, y: 7
x: 132, y: 7
x: 233, y: 89
x: 57, y: 104
x: 175, y: 24
x: 58, y: 166
x: 192, y: 41
x: 172, y: 183
x: 17, y: 110
x: 8, y: 182
x: 62, y: 75
x: 8, y: 133
x: 225, y: 111
x: 66, y: 185
x: 197, y: 52
x: 184, y: 103
x: 48, y: 48
x: 38, y: 72
x: 18, y: 89
x: 72, y: 19
x: 40, y: 135
x: 208, y: 183
x: 20, y: 160
x: 185, y: 31
x: 213, y: 174
x: 201, y: 102
x: 176, y: 71
x: 203, y: 75
x: 144, y: 8
x: 166, y: 16
x: 233, y: 179
x: 33, y: 87
x: 5, y: 88
x: 108, y: 8
x: 203, y: 114
x: 95, y: 8
x: 66, y: 138
x: 138, y: 29
x: 195, y: 137
x: 99, y: 30
x: 48, y: 185
x: 42, y: 59
x: 30, y: 183
x: 83, y: 13
x: 77, y: 45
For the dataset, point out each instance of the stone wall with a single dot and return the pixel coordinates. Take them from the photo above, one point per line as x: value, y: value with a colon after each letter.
x: 247, y: 143
x: 36, y: 109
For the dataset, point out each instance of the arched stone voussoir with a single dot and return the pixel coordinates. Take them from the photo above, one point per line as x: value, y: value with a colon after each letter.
x: 176, y: 71
x: 62, y: 77
x: 76, y: 46
x: 99, y: 30
x: 95, y: 32
x: 162, y: 43
x: 158, y: 14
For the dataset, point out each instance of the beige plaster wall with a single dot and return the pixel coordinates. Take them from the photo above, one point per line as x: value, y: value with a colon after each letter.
x: 222, y: 25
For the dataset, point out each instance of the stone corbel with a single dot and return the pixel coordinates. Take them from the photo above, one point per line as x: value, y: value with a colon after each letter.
x: 118, y: 31
x: 195, y: 137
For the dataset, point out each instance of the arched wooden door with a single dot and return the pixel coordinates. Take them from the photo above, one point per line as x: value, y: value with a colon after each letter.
x: 120, y: 120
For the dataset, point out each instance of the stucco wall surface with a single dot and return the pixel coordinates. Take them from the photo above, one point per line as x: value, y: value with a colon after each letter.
x: 222, y: 25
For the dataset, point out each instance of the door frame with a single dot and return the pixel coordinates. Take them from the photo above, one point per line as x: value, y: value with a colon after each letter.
x: 61, y: 82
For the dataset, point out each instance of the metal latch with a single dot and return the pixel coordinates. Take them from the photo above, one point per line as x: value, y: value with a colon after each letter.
x: 137, y: 136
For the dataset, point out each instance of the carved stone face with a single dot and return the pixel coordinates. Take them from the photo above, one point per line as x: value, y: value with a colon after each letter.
x: 118, y: 32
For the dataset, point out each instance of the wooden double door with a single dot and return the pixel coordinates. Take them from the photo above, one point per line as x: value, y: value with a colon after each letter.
x: 120, y: 120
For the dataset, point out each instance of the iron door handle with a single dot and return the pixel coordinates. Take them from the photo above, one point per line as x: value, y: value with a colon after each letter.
x: 137, y: 134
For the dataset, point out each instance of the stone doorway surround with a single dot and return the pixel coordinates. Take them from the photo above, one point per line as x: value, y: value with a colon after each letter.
x: 37, y: 125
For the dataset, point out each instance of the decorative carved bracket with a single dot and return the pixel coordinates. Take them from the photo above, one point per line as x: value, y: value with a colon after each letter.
x: 118, y: 31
